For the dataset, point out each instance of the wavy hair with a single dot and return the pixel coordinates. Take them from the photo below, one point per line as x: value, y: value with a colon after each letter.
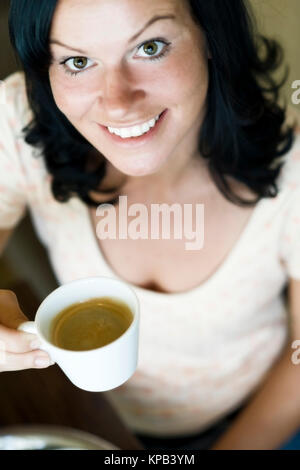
x: 242, y: 135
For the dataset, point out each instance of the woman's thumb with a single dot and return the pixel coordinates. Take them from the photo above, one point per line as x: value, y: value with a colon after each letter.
x: 11, y: 314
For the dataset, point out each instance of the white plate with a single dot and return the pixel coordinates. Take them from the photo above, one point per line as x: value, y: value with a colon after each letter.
x: 48, y: 437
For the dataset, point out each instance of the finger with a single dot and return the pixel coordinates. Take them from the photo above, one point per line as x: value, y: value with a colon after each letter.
x: 17, y: 341
x: 30, y: 360
x: 11, y: 314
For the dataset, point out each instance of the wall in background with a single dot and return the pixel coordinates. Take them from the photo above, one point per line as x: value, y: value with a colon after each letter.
x: 280, y: 19
x: 7, y: 58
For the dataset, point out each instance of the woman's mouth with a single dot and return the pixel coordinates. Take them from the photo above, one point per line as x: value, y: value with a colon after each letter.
x: 136, y: 135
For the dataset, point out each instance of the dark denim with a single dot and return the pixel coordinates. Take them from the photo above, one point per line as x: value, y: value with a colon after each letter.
x: 293, y: 443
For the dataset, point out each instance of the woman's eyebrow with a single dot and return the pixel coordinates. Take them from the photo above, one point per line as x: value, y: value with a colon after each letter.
x: 55, y: 41
x: 149, y: 23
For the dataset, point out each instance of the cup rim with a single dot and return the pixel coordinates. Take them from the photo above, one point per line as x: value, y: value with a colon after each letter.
x: 136, y: 314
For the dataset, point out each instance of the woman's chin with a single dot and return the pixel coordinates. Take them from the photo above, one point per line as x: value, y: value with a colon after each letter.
x: 139, y: 170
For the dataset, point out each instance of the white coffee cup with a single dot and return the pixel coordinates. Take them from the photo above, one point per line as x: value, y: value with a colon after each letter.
x: 96, y: 370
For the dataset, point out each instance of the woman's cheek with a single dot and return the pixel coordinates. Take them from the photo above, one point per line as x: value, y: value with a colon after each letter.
x: 71, y: 97
x: 178, y: 80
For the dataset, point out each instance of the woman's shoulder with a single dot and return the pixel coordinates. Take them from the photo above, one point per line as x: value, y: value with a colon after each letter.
x: 14, y: 85
x: 14, y: 99
x: 15, y: 115
x: 290, y: 174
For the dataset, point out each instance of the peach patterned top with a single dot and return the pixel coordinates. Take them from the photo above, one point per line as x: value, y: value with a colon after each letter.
x: 203, y: 352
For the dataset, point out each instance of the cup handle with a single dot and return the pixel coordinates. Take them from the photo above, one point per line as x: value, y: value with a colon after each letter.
x: 30, y: 327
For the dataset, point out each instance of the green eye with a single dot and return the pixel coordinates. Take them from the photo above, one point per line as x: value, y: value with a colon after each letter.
x: 76, y: 65
x: 150, y: 48
x: 80, y: 62
x: 153, y: 49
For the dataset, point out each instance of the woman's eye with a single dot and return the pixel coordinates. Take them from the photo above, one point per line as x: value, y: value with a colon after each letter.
x: 153, y: 49
x: 76, y: 65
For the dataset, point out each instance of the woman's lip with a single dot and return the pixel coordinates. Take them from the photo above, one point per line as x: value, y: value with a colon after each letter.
x: 136, y: 141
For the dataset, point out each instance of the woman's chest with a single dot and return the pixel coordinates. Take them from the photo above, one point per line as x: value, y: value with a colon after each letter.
x: 170, y: 254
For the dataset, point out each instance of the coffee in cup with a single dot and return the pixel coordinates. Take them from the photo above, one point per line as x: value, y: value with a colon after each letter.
x: 91, y: 324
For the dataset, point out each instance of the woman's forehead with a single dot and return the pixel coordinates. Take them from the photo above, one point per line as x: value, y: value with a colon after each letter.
x: 114, y: 13
x: 113, y: 21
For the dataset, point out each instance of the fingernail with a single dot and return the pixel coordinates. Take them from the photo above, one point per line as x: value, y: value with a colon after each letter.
x: 35, y: 344
x: 42, y: 361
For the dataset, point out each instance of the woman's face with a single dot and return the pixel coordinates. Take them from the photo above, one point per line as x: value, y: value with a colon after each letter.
x: 120, y: 65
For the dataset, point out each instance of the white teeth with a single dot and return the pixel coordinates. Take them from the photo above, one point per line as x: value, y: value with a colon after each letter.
x: 135, y: 131
x: 145, y: 127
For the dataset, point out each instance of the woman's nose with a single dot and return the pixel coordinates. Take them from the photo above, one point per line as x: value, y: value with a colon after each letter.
x: 119, y: 95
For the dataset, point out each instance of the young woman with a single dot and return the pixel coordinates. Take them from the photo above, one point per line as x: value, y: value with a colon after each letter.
x: 165, y: 102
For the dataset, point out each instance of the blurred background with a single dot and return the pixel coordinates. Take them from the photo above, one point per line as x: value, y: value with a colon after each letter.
x: 24, y: 264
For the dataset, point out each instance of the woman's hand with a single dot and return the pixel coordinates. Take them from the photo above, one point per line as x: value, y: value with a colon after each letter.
x: 18, y: 350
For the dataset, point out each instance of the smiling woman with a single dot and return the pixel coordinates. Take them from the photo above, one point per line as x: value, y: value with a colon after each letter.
x: 168, y: 101
x: 119, y: 84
